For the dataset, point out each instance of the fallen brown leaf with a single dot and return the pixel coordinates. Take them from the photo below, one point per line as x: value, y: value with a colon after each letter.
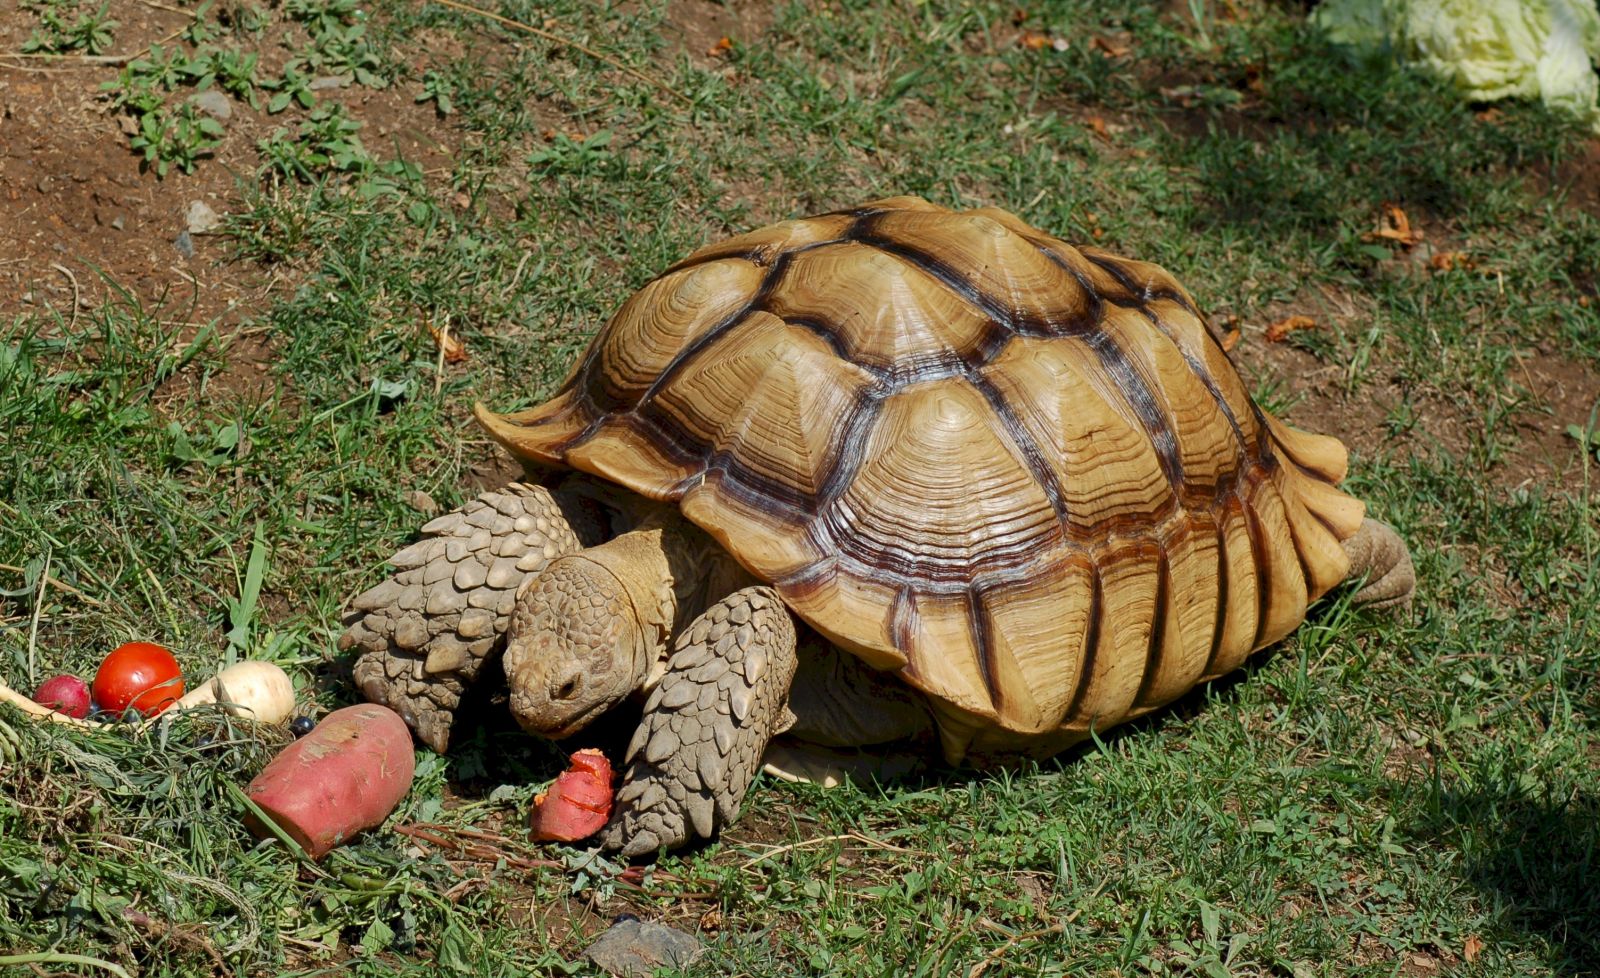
x: 1254, y: 78
x: 453, y: 347
x: 723, y: 46
x: 1110, y: 48
x: 711, y: 920
x: 1034, y: 41
x: 1231, y: 333
x: 1098, y: 124
x: 1444, y: 261
x: 1395, y: 226
x: 1283, y: 327
x: 1472, y: 948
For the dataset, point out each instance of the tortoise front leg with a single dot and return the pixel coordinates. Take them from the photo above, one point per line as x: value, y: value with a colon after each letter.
x: 425, y: 634
x: 706, y: 725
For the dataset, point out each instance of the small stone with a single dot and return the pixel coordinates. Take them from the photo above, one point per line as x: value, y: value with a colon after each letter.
x: 201, y: 219
x: 184, y: 244
x: 633, y: 949
x: 324, y: 82
x: 117, y: 222
x: 421, y: 502
x: 214, y: 104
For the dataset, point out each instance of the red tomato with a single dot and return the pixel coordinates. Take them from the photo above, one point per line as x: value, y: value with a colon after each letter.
x: 138, y: 675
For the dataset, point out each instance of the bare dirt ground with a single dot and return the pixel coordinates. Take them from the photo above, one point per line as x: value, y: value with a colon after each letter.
x: 83, y: 221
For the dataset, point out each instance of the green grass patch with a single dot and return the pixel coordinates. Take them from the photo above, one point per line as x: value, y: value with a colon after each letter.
x: 1373, y: 798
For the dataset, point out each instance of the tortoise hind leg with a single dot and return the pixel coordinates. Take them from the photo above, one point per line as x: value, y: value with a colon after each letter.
x: 424, y: 635
x: 852, y: 722
x: 706, y: 725
x: 1377, y: 552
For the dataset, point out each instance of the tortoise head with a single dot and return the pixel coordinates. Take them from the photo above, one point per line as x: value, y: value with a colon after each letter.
x: 576, y: 647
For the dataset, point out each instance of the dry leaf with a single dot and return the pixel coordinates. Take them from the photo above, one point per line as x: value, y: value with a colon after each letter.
x: 1255, y: 79
x: 1035, y: 41
x: 1444, y: 261
x: 1110, y: 48
x: 1283, y: 327
x: 1098, y: 124
x: 711, y: 920
x: 454, y: 348
x: 723, y: 46
x: 1472, y: 948
x: 1395, y: 226
x: 1231, y: 333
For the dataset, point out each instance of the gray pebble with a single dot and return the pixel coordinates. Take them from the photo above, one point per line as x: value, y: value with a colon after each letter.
x: 634, y: 948
x: 214, y: 104
x: 201, y: 219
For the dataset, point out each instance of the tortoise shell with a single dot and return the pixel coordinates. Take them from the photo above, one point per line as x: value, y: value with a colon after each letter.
x: 1024, y: 475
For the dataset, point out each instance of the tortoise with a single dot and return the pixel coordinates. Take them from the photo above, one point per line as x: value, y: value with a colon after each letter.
x: 887, y: 479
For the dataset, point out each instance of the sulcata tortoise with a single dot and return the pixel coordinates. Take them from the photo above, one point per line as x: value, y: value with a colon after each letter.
x: 889, y: 477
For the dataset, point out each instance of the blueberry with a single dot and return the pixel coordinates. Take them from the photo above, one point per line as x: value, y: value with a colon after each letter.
x: 300, y: 726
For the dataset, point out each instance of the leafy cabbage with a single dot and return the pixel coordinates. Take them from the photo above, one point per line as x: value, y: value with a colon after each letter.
x: 1488, y: 49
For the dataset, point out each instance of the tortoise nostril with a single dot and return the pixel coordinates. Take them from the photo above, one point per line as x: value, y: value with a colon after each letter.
x: 567, y: 689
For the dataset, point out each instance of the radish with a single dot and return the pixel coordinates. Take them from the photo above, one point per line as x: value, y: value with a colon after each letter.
x: 64, y: 694
x: 254, y: 690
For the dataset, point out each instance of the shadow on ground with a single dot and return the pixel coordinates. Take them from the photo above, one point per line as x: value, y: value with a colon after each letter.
x: 1533, y: 861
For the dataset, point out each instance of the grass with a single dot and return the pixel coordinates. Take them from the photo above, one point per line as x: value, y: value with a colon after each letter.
x: 1373, y: 798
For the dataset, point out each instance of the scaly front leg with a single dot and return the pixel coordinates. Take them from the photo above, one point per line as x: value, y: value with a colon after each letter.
x: 707, y: 724
x: 425, y: 634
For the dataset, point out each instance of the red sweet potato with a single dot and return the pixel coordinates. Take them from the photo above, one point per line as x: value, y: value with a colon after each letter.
x: 345, y: 776
x: 579, y: 803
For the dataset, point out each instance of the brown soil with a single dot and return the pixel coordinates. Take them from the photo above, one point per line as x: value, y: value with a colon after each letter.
x: 695, y: 27
x: 1577, y: 176
x: 77, y: 216
x: 82, y: 223
x: 1544, y: 394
